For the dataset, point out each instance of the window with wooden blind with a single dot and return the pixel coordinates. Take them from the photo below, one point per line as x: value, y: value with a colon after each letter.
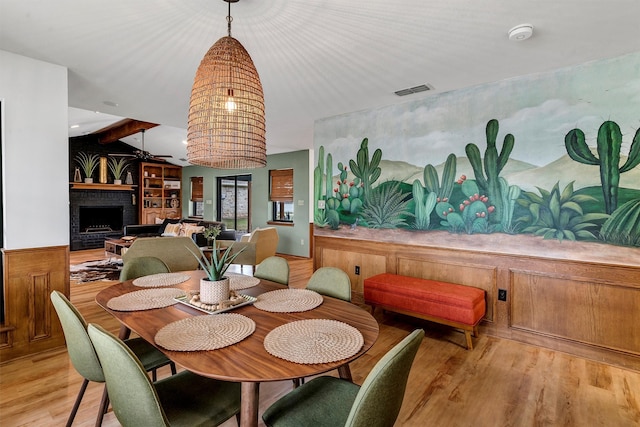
x: 281, y: 185
x: 281, y: 194
x: 196, y: 209
x: 197, y: 192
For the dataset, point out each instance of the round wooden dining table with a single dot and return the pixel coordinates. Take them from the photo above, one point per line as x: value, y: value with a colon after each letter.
x: 247, y: 361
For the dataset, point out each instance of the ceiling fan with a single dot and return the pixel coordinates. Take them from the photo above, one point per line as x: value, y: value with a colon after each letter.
x: 142, y: 154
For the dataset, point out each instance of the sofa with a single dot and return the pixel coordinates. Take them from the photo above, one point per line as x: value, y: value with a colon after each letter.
x: 176, y: 252
x: 172, y: 227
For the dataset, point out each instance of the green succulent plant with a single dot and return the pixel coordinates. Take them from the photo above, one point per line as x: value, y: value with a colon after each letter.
x: 220, y: 259
x: 118, y: 166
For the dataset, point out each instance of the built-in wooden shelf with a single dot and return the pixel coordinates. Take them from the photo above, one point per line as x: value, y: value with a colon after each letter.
x: 98, y: 186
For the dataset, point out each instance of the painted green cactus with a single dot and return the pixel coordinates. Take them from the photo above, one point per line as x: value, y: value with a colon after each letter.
x: 432, y: 184
x: 510, y: 195
x: 472, y: 215
x: 609, y: 143
x: 493, y: 165
x: 623, y: 227
x: 367, y: 170
x: 424, y: 205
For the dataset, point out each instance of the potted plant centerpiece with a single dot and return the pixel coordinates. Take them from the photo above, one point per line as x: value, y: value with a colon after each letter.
x: 214, y: 288
x: 117, y: 168
x: 88, y: 163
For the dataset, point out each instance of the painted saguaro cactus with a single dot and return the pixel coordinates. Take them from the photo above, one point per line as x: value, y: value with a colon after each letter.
x: 432, y: 185
x: 493, y: 165
x: 609, y: 143
x: 367, y: 170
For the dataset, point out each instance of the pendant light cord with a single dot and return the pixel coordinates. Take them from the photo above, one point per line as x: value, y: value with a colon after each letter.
x: 229, y: 19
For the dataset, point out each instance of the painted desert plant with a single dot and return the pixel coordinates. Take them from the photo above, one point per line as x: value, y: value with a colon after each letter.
x: 609, y: 143
x: 367, y: 170
x: 559, y: 215
x: 386, y: 207
x: 472, y: 214
x: 424, y: 205
x: 493, y: 165
x: 623, y: 227
x: 433, y: 185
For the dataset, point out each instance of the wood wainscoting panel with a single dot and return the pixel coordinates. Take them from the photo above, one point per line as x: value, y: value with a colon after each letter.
x: 368, y: 265
x: 30, y: 275
x: 579, y: 309
x: 574, y: 297
x: 463, y: 273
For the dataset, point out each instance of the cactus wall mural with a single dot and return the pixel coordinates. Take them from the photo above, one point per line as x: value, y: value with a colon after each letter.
x: 548, y: 166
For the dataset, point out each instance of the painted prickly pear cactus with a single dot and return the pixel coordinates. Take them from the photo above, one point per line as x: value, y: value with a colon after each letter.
x: 609, y: 145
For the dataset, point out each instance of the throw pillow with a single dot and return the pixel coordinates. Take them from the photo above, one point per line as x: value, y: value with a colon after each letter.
x: 166, y: 222
x: 189, y: 230
x: 172, y: 230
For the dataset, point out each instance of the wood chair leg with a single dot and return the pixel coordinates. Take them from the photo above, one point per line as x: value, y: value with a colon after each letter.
x: 345, y: 372
x: 76, y: 405
x: 154, y: 375
x: 173, y: 368
x: 104, y: 405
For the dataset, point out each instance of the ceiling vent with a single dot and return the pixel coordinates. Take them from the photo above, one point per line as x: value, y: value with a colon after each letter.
x: 416, y: 89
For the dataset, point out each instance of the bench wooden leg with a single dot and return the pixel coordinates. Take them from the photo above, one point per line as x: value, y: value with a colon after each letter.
x: 467, y: 334
x: 476, y: 333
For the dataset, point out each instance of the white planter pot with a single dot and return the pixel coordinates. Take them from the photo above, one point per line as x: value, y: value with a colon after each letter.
x: 117, y: 182
x: 88, y: 180
x: 213, y: 292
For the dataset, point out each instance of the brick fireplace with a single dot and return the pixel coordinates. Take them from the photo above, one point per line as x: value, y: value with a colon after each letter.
x: 99, y: 214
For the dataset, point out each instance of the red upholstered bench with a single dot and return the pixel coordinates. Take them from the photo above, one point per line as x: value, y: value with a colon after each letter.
x: 450, y: 304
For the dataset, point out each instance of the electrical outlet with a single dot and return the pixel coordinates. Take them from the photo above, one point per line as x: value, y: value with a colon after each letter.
x: 302, y: 242
x: 502, y: 294
x: 357, y: 270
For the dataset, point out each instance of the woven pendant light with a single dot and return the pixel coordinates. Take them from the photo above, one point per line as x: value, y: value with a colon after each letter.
x: 226, y: 128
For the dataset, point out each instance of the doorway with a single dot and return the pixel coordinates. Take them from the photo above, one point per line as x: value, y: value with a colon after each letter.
x: 234, y: 202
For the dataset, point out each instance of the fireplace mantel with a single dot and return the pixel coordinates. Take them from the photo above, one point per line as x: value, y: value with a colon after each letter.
x: 98, y: 186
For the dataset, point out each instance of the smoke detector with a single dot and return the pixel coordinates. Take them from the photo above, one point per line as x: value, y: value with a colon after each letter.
x: 520, y: 32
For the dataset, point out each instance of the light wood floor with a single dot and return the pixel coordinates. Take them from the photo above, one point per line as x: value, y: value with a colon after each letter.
x: 499, y: 383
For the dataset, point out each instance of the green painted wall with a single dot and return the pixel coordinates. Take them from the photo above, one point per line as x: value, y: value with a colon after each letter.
x: 293, y: 240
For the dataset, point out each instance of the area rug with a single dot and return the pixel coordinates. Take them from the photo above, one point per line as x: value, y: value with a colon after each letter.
x: 92, y: 271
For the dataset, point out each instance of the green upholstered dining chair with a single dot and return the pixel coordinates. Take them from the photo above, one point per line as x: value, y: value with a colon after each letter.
x: 184, y: 399
x: 331, y: 402
x: 84, y: 358
x: 332, y: 282
x: 273, y: 268
x: 142, y: 266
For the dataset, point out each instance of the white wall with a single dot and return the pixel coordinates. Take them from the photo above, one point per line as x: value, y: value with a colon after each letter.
x: 35, y: 152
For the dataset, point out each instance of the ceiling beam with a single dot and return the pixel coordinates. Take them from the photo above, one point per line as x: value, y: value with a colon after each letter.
x: 121, y: 129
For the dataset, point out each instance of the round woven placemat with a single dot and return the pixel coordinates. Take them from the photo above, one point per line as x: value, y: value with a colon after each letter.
x: 208, y: 332
x: 241, y: 281
x: 314, y: 341
x: 288, y: 300
x: 161, y: 279
x: 145, y: 299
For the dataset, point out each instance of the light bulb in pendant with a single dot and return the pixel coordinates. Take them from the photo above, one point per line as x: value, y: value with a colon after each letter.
x: 230, y: 105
